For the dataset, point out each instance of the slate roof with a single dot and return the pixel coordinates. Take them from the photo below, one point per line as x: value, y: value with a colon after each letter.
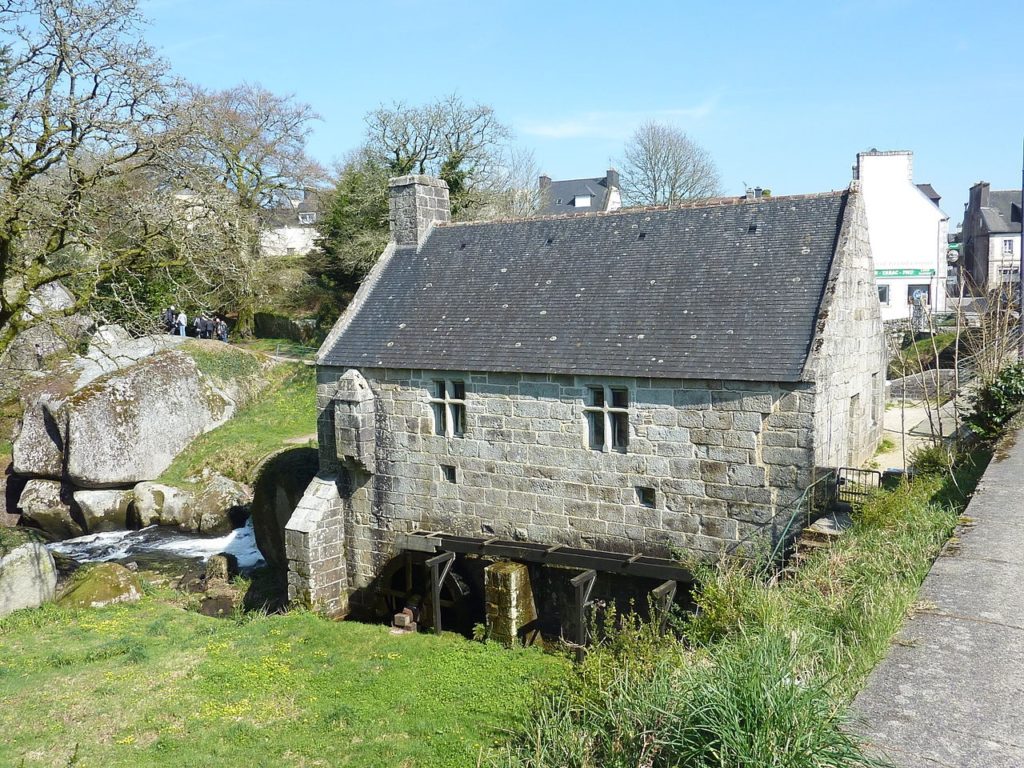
x: 559, y: 196
x: 288, y: 215
x: 929, y: 191
x: 1003, y: 211
x: 688, y: 292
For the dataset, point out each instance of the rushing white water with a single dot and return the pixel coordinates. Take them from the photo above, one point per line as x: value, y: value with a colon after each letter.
x: 154, y: 540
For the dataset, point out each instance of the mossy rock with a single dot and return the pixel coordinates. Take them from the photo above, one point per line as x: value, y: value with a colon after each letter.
x: 100, y: 585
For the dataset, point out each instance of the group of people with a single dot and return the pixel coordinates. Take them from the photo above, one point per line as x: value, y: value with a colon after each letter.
x: 203, y: 326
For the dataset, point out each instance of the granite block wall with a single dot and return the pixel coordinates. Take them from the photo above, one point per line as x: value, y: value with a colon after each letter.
x: 707, y: 465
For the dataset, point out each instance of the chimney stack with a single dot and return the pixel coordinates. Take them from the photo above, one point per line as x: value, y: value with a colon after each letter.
x: 414, y: 204
x: 543, y: 183
x: 611, y: 179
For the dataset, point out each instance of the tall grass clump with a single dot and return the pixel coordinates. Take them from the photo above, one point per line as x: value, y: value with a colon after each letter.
x: 744, y: 705
x: 763, y: 670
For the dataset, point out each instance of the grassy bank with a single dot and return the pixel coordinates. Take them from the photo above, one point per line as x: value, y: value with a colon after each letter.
x: 284, y: 414
x: 765, y: 667
x: 155, y: 685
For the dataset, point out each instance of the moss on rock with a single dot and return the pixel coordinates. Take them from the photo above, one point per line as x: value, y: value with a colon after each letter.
x: 102, y: 584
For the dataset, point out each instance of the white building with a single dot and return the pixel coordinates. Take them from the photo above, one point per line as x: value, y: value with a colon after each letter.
x: 290, y: 230
x: 907, y: 230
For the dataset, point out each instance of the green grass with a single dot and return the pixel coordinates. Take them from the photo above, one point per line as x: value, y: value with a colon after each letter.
x: 920, y: 354
x: 885, y: 445
x: 154, y: 685
x: 285, y: 411
x: 766, y: 667
x: 223, y: 361
x: 285, y: 347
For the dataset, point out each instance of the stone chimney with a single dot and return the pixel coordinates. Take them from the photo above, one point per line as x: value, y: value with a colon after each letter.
x: 543, y: 183
x: 611, y: 179
x: 414, y: 204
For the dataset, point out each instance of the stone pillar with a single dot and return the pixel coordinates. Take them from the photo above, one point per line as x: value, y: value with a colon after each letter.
x: 415, y: 203
x: 509, y: 599
x: 355, y: 415
x: 314, y: 541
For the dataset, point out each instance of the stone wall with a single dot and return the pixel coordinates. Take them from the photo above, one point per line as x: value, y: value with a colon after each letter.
x: 848, y: 355
x: 721, y: 459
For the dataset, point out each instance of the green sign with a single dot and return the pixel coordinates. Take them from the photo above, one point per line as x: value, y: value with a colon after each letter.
x: 904, y: 272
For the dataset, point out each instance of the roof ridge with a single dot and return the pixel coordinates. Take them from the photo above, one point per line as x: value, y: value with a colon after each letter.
x: 710, y: 202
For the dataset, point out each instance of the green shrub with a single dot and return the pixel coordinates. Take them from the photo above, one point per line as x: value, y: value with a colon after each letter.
x: 995, y: 403
x: 936, y: 459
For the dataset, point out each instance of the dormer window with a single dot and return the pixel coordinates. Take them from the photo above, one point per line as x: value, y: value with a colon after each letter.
x: 582, y: 201
x: 307, y: 218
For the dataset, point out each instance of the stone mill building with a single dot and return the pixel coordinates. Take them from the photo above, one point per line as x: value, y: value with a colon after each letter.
x: 638, y: 382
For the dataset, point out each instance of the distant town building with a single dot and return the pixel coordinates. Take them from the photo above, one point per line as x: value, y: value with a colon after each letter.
x: 290, y: 229
x: 991, y: 237
x: 580, y: 195
x: 908, y: 233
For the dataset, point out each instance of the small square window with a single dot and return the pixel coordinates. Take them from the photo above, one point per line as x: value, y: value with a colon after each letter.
x: 883, y: 294
x: 645, y: 496
x: 448, y: 473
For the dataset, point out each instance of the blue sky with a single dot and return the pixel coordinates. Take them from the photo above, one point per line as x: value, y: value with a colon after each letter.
x: 782, y: 94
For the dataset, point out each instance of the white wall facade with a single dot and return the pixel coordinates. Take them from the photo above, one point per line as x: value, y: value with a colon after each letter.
x: 288, y: 241
x: 1003, y: 264
x: 908, y: 233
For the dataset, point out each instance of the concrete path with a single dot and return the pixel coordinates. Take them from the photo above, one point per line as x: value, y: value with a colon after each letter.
x: 950, y: 694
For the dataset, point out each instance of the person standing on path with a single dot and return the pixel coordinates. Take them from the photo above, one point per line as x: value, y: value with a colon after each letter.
x: 182, y: 323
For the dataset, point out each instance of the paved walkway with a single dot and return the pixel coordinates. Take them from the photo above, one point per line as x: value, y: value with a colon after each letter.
x: 950, y: 694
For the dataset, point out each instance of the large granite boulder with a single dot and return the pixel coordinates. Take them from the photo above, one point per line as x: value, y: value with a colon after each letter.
x: 128, y: 426
x: 38, y: 449
x: 280, y: 482
x: 47, y: 503
x: 104, y: 510
x: 50, y: 332
x: 157, y: 504
x: 28, y: 577
x: 218, y: 506
x: 101, y: 585
x: 123, y: 428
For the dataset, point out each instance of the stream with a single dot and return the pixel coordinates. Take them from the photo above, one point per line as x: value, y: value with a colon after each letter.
x: 165, y: 550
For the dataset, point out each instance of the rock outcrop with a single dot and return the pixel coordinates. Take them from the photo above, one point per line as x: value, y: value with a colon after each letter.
x: 100, y: 428
x: 157, y: 504
x: 47, y: 503
x: 28, y: 577
x: 100, y: 585
x: 122, y: 428
x: 218, y: 506
x: 104, y: 510
x: 53, y: 332
x: 128, y: 426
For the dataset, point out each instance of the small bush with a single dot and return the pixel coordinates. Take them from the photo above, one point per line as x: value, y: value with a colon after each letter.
x: 995, y: 403
x: 933, y: 459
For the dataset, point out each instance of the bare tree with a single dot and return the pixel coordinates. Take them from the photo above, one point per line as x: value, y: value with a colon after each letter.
x: 86, y: 109
x: 513, y: 192
x: 661, y: 164
x: 462, y: 143
x: 246, y: 155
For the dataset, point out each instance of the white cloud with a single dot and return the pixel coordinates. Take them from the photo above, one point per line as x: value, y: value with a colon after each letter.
x: 609, y: 124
